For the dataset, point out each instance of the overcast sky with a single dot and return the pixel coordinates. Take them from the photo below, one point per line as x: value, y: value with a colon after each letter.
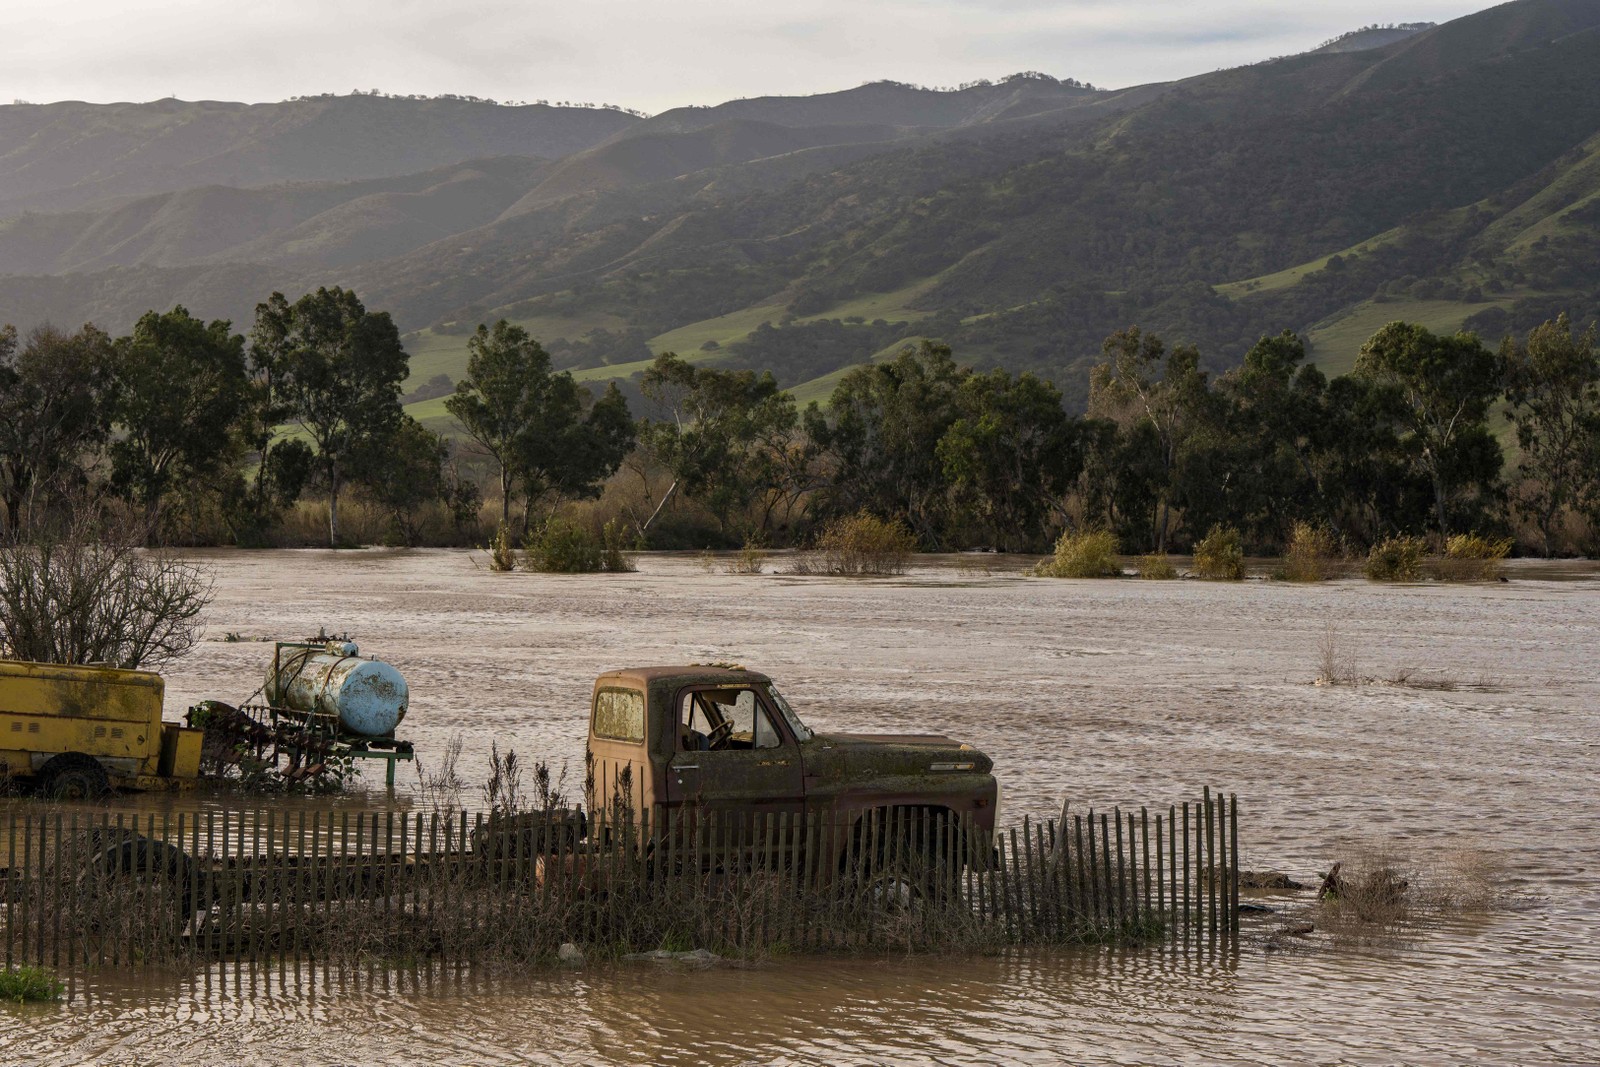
x: 637, y: 53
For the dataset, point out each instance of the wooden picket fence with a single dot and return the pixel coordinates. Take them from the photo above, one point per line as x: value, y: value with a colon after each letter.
x: 91, y: 889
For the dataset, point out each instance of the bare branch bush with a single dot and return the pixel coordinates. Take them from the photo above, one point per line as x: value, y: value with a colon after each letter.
x: 81, y: 593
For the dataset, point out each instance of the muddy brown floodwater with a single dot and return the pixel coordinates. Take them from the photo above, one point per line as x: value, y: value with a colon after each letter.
x: 1105, y: 692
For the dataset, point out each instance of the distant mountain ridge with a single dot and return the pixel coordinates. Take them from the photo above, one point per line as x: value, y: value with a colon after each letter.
x: 1450, y: 174
x: 56, y: 157
x: 1368, y: 37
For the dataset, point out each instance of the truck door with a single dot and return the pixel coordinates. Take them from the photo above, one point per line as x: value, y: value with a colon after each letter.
x: 735, y: 758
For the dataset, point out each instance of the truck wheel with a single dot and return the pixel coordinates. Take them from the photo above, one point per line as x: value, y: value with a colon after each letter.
x: 121, y: 856
x: 73, y: 776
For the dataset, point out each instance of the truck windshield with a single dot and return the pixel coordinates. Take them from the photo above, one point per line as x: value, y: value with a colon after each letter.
x: 799, y: 729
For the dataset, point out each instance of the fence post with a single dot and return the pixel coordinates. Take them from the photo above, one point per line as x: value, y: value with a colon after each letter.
x: 1114, y: 904
x: 1233, y: 853
x: 1186, y: 893
x: 1144, y: 836
x: 1211, y: 864
x: 1121, y: 872
x: 1088, y: 870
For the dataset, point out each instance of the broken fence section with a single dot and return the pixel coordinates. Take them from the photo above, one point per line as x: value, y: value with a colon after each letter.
x: 105, y: 889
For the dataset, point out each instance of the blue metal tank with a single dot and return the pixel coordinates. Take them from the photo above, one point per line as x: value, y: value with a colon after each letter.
x: 367, y: 696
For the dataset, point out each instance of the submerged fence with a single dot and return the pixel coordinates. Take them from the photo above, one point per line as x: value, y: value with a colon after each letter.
x: 102, y: 889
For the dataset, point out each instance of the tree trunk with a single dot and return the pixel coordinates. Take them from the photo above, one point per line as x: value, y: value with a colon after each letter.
x: 333, y: 504
x: 505, y: 495
x: 664, y: 498
x: 1438, y: 503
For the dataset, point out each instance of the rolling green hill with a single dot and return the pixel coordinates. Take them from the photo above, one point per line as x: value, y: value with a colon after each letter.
x: 1449, y: 174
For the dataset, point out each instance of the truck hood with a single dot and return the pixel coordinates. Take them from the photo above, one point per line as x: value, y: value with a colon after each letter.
x: 904, y: 753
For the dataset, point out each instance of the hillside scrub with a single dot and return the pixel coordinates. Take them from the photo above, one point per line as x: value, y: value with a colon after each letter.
x: 1090, y: 554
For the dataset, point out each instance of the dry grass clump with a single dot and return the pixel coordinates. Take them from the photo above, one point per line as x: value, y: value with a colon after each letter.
x: 1220, y: 555
x: 1473, y: 558
x: 857, y: 545
x: 1311, y: 554
x: 1396, y: 559
x: 1157, y: 566
x: 1090, y: 554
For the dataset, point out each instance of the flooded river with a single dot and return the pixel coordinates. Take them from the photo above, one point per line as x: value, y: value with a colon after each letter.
x: 1478, y: 728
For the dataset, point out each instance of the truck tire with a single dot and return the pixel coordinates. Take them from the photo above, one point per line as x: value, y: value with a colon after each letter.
x: 73, y: 776
x: 120, y: 856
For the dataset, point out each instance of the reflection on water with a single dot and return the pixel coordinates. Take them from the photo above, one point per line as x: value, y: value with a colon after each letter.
x: 1110, y: 692
x: 1445, y: 1001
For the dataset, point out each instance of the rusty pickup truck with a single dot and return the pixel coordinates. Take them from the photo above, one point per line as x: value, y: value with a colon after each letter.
x: 688, y: 741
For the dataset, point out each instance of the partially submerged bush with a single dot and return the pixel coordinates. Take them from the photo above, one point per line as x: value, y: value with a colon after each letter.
x: 1156, y: 565
x: 1311, y: 553
x: 1472, y: 558
x: 502, y: 557
x: 1220, y: 555
x: 749, y: 560
x: 1396, y: 559
x: 860, y: 544
x: 1378, y: 887
x: 22, y: 984
x: 611, y: 554
x: 1090, y: 554
x: 559, y: 546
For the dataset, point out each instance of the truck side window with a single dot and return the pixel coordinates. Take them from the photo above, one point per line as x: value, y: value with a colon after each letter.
x: 720, y: 719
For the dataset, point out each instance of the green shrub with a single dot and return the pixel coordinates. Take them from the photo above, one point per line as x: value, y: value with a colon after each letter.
x: 1311, y: 553
x: 860, y: 544
x: 1471, y: 558
x: 1396, y: 559
x: 1090, y: 554
x: 1220, y: 555
x: 1157, y: 566
x: 559, y: 547
x: 29, y: 983
x: 501, y: 555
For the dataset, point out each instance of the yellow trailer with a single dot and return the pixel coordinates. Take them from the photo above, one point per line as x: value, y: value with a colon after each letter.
x: 74, y: 732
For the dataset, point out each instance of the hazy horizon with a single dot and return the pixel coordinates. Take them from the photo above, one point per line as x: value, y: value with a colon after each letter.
x: 631, y: 54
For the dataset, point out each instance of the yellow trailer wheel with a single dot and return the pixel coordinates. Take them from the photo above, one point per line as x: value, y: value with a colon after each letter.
x: 73, y: 776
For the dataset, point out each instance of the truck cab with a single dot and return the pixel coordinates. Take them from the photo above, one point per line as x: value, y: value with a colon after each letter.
x: 672, y: 741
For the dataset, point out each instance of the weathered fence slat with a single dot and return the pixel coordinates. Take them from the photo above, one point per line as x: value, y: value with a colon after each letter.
x: 254, y: 886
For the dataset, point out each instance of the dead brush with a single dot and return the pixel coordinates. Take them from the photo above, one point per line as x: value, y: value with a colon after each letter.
x: 1379, y: 889
x: 440, y: 788
x: 1336, y: 662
